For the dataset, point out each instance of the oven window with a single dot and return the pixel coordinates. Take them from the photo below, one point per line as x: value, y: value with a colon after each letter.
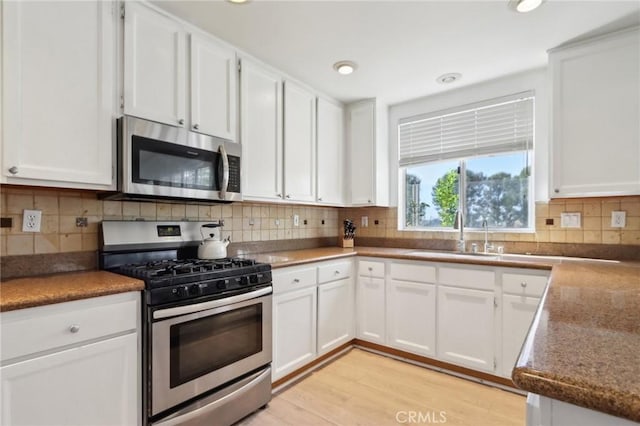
x: 207, y: 344
x: 167, y: 164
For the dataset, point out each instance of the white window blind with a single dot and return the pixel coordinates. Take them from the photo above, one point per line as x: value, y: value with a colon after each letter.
x: 496, y: 126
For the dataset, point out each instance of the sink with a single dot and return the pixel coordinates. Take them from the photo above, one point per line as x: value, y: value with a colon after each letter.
x: 453, y: 255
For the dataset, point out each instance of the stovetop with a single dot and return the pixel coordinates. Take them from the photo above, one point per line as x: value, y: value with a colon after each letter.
x: 169, y: 281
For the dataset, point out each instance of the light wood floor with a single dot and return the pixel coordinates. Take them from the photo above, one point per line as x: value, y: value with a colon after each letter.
x: 362, y: 388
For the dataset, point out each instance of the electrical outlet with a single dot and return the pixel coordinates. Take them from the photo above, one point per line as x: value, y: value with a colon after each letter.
x: 618, y: 219
x: 570, y: 220
x: 296, y: 220
x: 277, y: 222
x: 364, y: 220
x: 31, y: 220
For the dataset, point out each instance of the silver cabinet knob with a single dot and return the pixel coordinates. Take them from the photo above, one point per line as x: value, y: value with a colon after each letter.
x: 195, y: 126
x: 319, y: 198
x: 279, y: 195
x: 370, y: 269
x: 13, y: 170
x: 337, y: 272
x: 181, y: 121
x: 74, y: 328
x: 523, y: 284
x: 296, y: 280
x: 369, y: 201
x: 557, y: 191
x: 288, y: 195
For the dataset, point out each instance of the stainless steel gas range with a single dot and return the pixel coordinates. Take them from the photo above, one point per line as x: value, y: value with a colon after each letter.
x: 206, y: 324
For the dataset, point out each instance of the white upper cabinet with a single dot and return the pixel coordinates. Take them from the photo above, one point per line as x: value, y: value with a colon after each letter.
x: 299, y: 143
x: 596, y: 109
x: 368, y: 157
x: 214, y: 89
x: 58, y: 93
x: 261, y: 132
x: 330, y: 153
x: 154, y: 65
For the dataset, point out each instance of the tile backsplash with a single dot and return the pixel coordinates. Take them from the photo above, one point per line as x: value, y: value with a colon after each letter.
x: 59, y: 233
x: 595, y: 223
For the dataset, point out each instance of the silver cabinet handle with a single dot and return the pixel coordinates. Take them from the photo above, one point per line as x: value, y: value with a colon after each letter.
x: 523, y: 284
x: 337, y: 272
x: 195, y: 126
x: 181, y: 121
x: 279, y: 195
x: 13, y: 170
x: 74, y: 328
x: 288, y: 195
x: 296, y: 280
x: 319, y: 198
x: 370, y: 269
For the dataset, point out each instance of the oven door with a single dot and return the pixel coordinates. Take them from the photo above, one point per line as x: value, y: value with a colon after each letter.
x: 199, y: 347
x: 161, y: 160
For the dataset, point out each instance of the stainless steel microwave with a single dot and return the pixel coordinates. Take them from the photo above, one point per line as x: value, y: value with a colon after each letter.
x: 160, y: 161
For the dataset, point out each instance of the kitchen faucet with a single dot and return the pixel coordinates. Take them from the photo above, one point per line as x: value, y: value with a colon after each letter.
x: 458, y: 223
x: 487, y: 247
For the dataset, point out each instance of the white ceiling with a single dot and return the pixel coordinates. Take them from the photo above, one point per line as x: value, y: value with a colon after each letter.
x: 401, y: 46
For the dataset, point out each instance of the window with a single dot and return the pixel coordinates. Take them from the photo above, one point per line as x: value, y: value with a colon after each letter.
x: 475, y: 159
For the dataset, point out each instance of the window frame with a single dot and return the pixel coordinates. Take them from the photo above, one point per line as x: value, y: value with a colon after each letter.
x: 402, y: 170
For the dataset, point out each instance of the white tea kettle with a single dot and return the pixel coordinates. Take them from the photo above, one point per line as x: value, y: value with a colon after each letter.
x: 211, y: 247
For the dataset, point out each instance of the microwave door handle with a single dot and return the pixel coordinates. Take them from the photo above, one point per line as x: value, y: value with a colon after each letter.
x: 225, y: 173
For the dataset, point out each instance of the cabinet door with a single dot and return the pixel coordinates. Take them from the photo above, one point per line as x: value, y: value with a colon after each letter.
x: 94, y: 384
x: 294, y: 331
x: 466, y: 327
x: 362, y: 131
x: 330, y: 153
x: 411, y: 317
x: 59, y: 92
x: 371, y: 309
x: 517, y: 315
x: 154, y: 66
x: 596, y: 137
x: 299, y: 143
x: 335, y: 314
x: 213, y: 88
x: 261, y: 132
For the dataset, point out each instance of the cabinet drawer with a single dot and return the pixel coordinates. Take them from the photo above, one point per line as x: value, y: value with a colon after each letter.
x: 523, y: 284
x: 413, y: 272
x: 334, y: 271
x: 293, y: 279
x: 470, y: 278
x: 33, y: 330
x: 370, y: 268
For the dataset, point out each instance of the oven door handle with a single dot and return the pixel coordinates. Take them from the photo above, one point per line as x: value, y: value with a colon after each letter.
x: 225, y: 173
x: 189, y: 309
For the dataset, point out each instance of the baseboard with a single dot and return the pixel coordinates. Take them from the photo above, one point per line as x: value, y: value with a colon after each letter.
x: 423, y: 361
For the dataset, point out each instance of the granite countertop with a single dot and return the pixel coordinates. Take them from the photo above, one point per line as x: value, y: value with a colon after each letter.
x: 584, y: 344
x: 21, y: 293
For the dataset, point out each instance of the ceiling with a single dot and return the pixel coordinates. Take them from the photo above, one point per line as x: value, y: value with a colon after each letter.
x: 401, y: 47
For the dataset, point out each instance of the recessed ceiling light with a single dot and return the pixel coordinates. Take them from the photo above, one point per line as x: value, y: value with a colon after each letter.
x: 345, y: 67
x: 449, y: 78
x: 524, y: 6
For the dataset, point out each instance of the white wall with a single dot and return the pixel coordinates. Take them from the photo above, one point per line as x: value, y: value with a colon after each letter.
x: 535, y: 80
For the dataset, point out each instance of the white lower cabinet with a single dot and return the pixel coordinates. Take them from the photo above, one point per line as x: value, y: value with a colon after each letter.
x: 93, y: 384
x: 411, y: 317
x: 73, y: 363
x: 466, y: 333
x: 517, y: 315
x: 335, y: 314
x: 294, y: 331
x: 371, y: 298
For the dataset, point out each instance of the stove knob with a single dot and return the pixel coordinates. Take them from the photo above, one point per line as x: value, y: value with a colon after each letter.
x: 244, y: 280
x: 221, y: 285
x: 253, y: 279
x: 180, y: 291
x: 196, y: 289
